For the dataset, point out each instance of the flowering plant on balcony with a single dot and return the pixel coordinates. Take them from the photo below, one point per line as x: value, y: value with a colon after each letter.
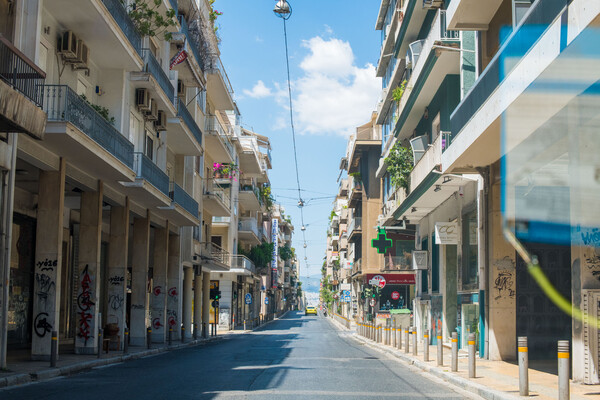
x: 227, y: 171
x: 400, y: 164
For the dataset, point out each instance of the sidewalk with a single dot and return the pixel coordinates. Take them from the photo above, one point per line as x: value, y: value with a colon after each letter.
x: 494, y: 379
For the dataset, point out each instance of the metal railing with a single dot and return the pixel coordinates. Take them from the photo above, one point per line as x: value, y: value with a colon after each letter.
x: 121, y: 17
x: 61, y: 103
x: 248, y: 225
x: 357, y: 266
x: 215, y: 65
x: 219, y: 191
x: 193, y: 44
x: 216, y: 252
x: 355, y: 225
x: 175, y: 6
x: 20, y: 72
x: 221, y: 220
x: 444, y: 32
x: 152, y: 66
x: 183, y: 112
x: 397, y: 263
x: 244, y: 187
x: 147, y: 170
x: 214, y: 127
x: 242, y: 262
x: 181, y: 197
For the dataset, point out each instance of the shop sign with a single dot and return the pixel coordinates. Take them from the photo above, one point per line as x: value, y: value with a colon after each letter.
x: 446, y: 233
x: 377, y: 280
x: 394, y: 279
x: 395, y: 295
x: 419, y: 259
x: 345, y: 286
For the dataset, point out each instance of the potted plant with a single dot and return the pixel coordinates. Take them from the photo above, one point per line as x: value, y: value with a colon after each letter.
x: 226, y: 171
x: 400, y: 164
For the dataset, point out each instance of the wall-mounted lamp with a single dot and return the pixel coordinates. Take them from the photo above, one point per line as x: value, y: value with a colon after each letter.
x: 437, y: 188
x: 446, y: 179
x: 414, y: 209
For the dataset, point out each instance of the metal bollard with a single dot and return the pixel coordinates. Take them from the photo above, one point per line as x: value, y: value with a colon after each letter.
x: 99, y: 342
x: 426, y: 347
x: 195, y: 335
x: 182, y: 334
x: 454, y: 351
x: 414, y: 341
x: 564, y: 361
x: 440, y: 350
x: 204, y: 333
x: 394, y: 338
x: 471, y: 344
x: 523, y: 366
x: 406, y: 340
x: 149, y: 337
x: 126, y: 341
x: 399, y: 334
x: 53, y: 349
x: 244, y: 324
x: 170, y: 336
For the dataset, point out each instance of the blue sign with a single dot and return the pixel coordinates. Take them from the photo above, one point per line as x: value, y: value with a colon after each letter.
x: 248, y: 298
x: 266, y: 300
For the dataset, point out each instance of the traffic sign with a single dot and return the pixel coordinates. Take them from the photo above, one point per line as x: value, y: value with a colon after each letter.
x: 372, y: 302
x: 395, y: 295
x: 248, y: 298
x: 266, y: 300
x: 215, y: 303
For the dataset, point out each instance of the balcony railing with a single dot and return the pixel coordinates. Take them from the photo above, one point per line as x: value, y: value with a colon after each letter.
x: 121, y: 17
x: 444, y: 32
x: 61, y: 103
x: 147, y: 170
x: 216, y: 252
x: 20, y: 72
x: 193, y: 43
x: 357, y: 266
x: 248, y: 187
x: 398, y: 263
x: 181, y: 197
x: 219, y: 191
x: 242, y: 262
x: 174, y: 5
x: 214, y: 66
x: 355, y: 225
x: 183, y: 112
x: 152, y: 66
x: 197, y: 233
x: 248, y: 225
x: 214, y: 127
x: 221, y: 220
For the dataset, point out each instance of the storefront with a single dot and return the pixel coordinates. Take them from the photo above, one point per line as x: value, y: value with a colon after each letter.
x: 396, y: 290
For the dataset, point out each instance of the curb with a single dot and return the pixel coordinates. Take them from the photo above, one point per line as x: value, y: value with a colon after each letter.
x: 458, y: 381
x: 45, y: 374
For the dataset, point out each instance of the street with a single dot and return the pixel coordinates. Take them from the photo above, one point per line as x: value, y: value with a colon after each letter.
x: 297, y: 357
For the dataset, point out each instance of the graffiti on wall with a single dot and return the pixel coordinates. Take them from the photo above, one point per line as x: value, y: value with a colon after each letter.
x: 86, y: 306
x: 504, y: 285
x: 45, y: 292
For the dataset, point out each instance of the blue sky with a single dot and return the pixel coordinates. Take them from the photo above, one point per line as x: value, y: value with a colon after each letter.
x: 333, y: 48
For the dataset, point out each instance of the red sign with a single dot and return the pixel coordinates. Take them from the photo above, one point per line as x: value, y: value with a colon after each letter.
x: 178, y: 58
x: 394, y: 279
x: 377, y: 280
x: 395, y: 295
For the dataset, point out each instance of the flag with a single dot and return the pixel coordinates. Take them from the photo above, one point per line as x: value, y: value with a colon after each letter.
x: 178, y: 58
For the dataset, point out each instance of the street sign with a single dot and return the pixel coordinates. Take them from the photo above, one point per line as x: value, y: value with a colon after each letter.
x: 215, y: 304
x: 395, y: 295
x: 248, y: 298
x: 266, y: 300
x: 372, y: 302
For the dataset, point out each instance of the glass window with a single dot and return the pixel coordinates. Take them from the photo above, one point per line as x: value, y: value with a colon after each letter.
x: 469, y: 251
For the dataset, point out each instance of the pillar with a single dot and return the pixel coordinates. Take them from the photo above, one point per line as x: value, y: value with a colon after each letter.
x: 198, y: 302
x: 188, y: 277
x: 206, y: 300
x: 117, y: 267
x: 138, y: 317
x: 88, y: 290
x: 48, y: 260
x: 174, y: 280
x: 159, y: 291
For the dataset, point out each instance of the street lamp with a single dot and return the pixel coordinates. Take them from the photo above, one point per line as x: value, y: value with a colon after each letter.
x: 283, y: 9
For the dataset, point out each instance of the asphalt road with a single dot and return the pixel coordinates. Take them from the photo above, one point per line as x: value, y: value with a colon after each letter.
x: 297, y: 357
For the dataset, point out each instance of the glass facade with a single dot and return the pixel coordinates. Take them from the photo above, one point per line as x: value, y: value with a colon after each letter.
x: 469, y: 251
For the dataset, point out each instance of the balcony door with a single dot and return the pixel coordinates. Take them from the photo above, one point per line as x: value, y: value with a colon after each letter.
x: 7, y: 18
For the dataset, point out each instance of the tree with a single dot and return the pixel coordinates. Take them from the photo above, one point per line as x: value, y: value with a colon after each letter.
x: 400, y: 164
x: 148, y: 20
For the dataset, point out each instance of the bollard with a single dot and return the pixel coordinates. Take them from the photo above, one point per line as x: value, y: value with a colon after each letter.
x: 454, y: 351
x: 563, y: 370
x: 414, y: 341
x: 426, y: 347
x: 394, y: 338
x: 523, y: 366
x: 244, y: 324
x: 53, y: 349
x: 440, y: 350
x: 399, y: 333
x: 126, y: 341
x: 99, y: 342
x: 204, y: 333
x: 195, y: 335
x: 406, y: 340
x: 182, y: 334
x: 149, y: 337
x: 471, y: 344
x: 170, y: 336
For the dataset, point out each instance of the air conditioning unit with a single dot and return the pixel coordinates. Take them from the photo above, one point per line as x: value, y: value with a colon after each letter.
x: 152, y: 115
x: 68, y: 45
x: 161, y: 122
x: 412, y: 55
x: 83, y: 55
x: 432, y: 4
x: 180, y: 88
x: 142, y: 99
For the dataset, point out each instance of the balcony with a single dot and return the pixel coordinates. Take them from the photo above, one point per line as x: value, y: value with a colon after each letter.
x: 397, y: 263
x: 214, y: 258
x: 185, y: 137
x: 355, y: 228
x: 183, y: 210
x: 218, y: 84
x: 389, y: 30
x: 344, y: 215
x: 250, y: 161
x: 242, y: 265
x: 471, y: 15
x: 356, y: 192
x: 216, y: 200
x: 357, y: 267
x: 77, y: 132
x: 191, y: 42
x: 20, y: 80
x: 154, y: 78
x: 248, y: 231
x: 218, y: 141
x: 249, y: 197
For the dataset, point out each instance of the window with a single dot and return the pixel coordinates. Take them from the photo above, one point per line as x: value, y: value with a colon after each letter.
x: 469, y: 251
x: 520, y: 8
x: 149, y: 147
x: 201, y: 99
x: 424, y: 273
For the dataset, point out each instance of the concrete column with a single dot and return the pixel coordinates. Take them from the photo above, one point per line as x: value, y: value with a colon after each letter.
x: 198, y: 302
x: 174, y: 280
x: 48, y: 260
x: 117, y: 267
x: 206, y: 300
x: 159, y: 291
x: 139, y: 281
x: 88, y: 291
x: 188, y: 278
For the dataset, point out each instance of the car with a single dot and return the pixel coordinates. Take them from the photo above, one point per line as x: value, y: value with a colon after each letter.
x: 310, y: 310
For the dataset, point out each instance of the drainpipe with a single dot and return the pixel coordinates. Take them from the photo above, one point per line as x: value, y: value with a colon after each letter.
x: 485, y: 175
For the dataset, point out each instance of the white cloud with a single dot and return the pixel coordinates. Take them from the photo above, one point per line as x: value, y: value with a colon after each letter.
x: 334, y: 96
x: 258, y: 91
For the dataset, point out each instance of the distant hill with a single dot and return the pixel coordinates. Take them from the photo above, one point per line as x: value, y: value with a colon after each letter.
x: 311, y: 285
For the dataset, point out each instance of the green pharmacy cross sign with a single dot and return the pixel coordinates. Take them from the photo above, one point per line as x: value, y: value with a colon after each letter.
x: 382, y: 243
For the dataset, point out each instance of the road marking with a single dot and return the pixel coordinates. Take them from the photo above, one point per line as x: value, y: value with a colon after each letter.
x: 335, y: 393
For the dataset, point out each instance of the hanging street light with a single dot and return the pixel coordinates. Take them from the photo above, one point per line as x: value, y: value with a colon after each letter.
x: 283, y: 9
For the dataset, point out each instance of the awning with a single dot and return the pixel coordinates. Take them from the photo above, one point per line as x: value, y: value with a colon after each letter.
x: 429, y: 195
